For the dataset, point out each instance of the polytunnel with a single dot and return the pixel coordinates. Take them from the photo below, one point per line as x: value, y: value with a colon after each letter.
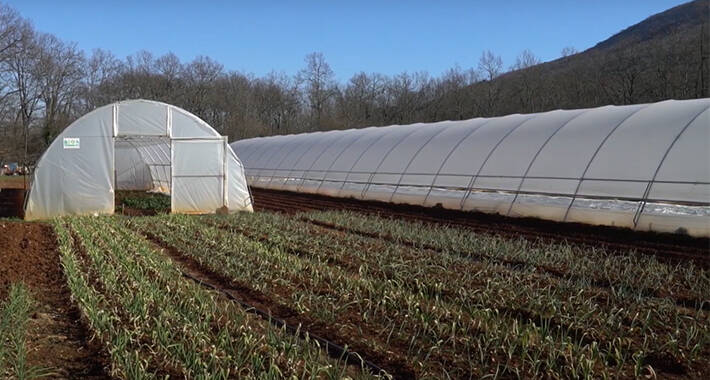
x: 137, y: 145
x: 645, y: 167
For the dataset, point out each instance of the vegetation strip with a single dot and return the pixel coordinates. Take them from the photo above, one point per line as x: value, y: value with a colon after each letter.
x: 179, y: 325
x: 569, y: 260
x: 288, y: 236
x: 207, y: 276
x: 666, y: 247
x: 213, y: 260
x: 680, y: 300
x: 14, y: 316
x: 336, y: 351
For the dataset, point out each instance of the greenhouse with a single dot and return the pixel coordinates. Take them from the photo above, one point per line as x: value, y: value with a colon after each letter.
x: 644, y: 167
x: 137, y: 145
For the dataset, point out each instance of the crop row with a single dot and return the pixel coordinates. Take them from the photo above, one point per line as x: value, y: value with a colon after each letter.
x: 154, y: 322
x: 14, y: 315
x: 635, y: 276
x: 388, y: 301
x: 651, y: 329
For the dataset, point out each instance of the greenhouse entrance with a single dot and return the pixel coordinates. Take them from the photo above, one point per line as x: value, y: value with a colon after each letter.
x: 191, y: 171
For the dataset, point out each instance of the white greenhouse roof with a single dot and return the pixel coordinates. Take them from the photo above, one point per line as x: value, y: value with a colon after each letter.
x: 655, y: 153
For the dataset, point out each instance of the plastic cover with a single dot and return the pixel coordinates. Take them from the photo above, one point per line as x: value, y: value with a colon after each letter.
x: 129, y: 146
x: 642, y: 166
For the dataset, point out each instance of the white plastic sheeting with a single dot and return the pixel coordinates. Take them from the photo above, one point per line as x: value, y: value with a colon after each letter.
x: 137, y: 145
x: 645, y: 167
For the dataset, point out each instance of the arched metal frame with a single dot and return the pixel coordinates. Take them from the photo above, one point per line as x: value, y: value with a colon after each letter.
x: 325, y: 172
x: 362, y: 154
x: 469, y: 188
x: 596, y: 152
x: 448, y: 155
x: 372, y: 175
x: 532, y: 162
x: 644, y: 198
x: 325, y: 149
x: 321, y: 160
x: 414, y: 156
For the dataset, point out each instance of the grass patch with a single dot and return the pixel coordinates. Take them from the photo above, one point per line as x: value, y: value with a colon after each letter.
x: 156, y: 203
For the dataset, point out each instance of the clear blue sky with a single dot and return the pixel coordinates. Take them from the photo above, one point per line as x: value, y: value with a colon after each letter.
x: 373, y: 36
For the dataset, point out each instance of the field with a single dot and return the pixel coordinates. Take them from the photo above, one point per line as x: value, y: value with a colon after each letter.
x: 332, y: 294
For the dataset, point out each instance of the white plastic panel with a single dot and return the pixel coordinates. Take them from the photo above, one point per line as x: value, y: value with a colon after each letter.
x: 291, y: 164
x: 76, y: 181
x: 198, y: 157
x: 97, y: 123
x: 327, y: 160
x: 184, y: 124
x: 635, y: 149
x: 578, y: 141
x: 515, y: 153
x: 198, y: 176
x: 345, y: 161
x: 466, y: 161
x: 433, y: 154
x: 196, y: 195
x: 309, y: 153
x: 603, y: 157
x: 142, y: 118
x: 689, y: 161
x: 400, y: 158
x: 238, y: 194
x: 383, y: 147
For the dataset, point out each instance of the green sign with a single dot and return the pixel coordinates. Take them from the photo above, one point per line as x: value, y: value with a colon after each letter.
x: 71, y: 143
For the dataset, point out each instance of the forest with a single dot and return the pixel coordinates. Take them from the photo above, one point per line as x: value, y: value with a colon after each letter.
x: 46, y: 83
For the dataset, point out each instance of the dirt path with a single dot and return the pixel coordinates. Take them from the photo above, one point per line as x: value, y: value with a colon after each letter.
x: 56, y: 336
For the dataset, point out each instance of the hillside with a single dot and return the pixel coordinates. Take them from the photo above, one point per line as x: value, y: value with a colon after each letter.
x: 662, y: 57
x: 675, y: 20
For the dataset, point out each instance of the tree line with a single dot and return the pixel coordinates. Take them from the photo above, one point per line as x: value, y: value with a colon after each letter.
x: 46, y: 83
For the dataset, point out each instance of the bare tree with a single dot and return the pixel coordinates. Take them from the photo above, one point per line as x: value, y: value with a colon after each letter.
x: 60, y: 71
x: 568, y: 51
x: 361, y: 98
x: 319, y: 85
x: 490, y: 66
x: 525, y: 59
x: 20, y: 69
x: 527, y: 80
x: 99, y: 69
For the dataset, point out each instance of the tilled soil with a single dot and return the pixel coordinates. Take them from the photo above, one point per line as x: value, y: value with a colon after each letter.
x: 57, y: 338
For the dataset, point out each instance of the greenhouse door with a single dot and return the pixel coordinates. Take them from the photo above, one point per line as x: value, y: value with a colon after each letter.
x: 198, y: 175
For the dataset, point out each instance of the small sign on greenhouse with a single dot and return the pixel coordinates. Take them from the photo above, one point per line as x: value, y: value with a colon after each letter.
x: 71, y: 143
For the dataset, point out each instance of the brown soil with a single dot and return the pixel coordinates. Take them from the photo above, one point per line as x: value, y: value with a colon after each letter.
x: 669, y: 247
x: 57, y: 338
x: 12, y: 202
